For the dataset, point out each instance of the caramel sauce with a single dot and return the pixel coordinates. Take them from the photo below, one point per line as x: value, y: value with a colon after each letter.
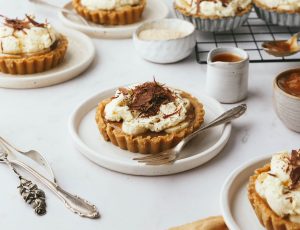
x: 278, y: 47
x: 227, y: 57
x: 290, y: 83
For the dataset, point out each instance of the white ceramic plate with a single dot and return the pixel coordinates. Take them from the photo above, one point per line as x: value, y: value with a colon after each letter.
x: 155, y: 9
x: 89, y: 142
x: 235, y: 206
x: 80, y: 54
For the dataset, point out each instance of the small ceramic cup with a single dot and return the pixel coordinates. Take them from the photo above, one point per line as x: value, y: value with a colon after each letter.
x: 170, y: 50
x: 227, y: 81
x: 286, y: 105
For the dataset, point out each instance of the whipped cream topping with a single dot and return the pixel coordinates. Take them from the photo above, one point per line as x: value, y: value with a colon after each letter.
x: 108, y: 4
x: 170, y: 116
x: 25, y: 36
x: 220, y: 8
x: 280, y: 186
x: 281, y: 4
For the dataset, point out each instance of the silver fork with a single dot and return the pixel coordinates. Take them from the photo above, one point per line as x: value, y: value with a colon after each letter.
x: 33, y: 155
x: 171, y: 155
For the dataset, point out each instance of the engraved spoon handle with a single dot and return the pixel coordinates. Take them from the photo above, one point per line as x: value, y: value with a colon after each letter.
x: 76, y: 204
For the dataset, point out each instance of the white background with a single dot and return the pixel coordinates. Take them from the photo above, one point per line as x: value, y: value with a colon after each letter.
x: 38, y: 119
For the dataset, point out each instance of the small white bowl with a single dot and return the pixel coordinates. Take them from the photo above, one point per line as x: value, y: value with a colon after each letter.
x: 286, y: 105
x: 166, y: 51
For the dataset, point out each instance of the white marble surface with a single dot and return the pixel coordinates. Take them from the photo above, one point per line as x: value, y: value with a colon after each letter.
x: 38, y: 119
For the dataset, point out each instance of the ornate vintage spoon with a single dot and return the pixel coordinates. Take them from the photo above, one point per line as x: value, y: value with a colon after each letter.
x: 282, y: 48
x: 75, y: 203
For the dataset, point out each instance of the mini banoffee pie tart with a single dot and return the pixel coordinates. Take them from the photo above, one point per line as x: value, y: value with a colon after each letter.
x: 110, y: 12
x: 28, y: 47
x: 214, y: 15
x: 281, y: 12
x: 274, y: 192
x: 148, y: 118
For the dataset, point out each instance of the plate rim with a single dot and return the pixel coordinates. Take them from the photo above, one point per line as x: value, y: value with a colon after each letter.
x: 89, y: 152
x: 105, y: 32
x: 26, y: 81
x: 224, y: 195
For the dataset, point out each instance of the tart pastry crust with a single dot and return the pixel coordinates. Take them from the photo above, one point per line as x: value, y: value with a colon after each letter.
x: 35, y: 63
x: 147, y: 144
x: 121, y: 16
x: 259, y: 4
x: 269, y: 219
x: 213, y: 17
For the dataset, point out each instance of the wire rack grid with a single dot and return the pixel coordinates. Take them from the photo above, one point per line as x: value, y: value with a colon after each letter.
x: 249, y: 37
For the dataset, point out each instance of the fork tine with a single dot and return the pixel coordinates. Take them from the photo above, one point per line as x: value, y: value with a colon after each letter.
x: 163, y: 162
x: 147, y: 157
x: 152, y: 156
x: 154, y: 160
x: 166, y: 159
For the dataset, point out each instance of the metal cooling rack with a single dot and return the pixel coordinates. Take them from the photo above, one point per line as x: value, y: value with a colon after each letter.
x: 249, y: 37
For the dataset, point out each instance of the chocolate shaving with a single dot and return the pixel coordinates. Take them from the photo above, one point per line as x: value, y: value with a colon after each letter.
x: 35, y: 23
x: 16, y: 24
x: 20, y: 25
x: 294, y: 168
x: 124, y: 91
x: 148, y: 97
x: 171, y: 114
x: 295, y: 176
x: 290, y: 199
x: 225, y: 3
x: 271, y: 174
x: 295, y: 158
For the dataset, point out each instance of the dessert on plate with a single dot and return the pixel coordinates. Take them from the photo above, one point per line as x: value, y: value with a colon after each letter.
x: 108, y: 12
x: 281, y: 12
x: 148, y: 118
x: 217, y: 15
x: 274, y: 192
x: 28, y: 47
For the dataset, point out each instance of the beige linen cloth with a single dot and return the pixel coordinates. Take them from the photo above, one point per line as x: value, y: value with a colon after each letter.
x: 211, y: 223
